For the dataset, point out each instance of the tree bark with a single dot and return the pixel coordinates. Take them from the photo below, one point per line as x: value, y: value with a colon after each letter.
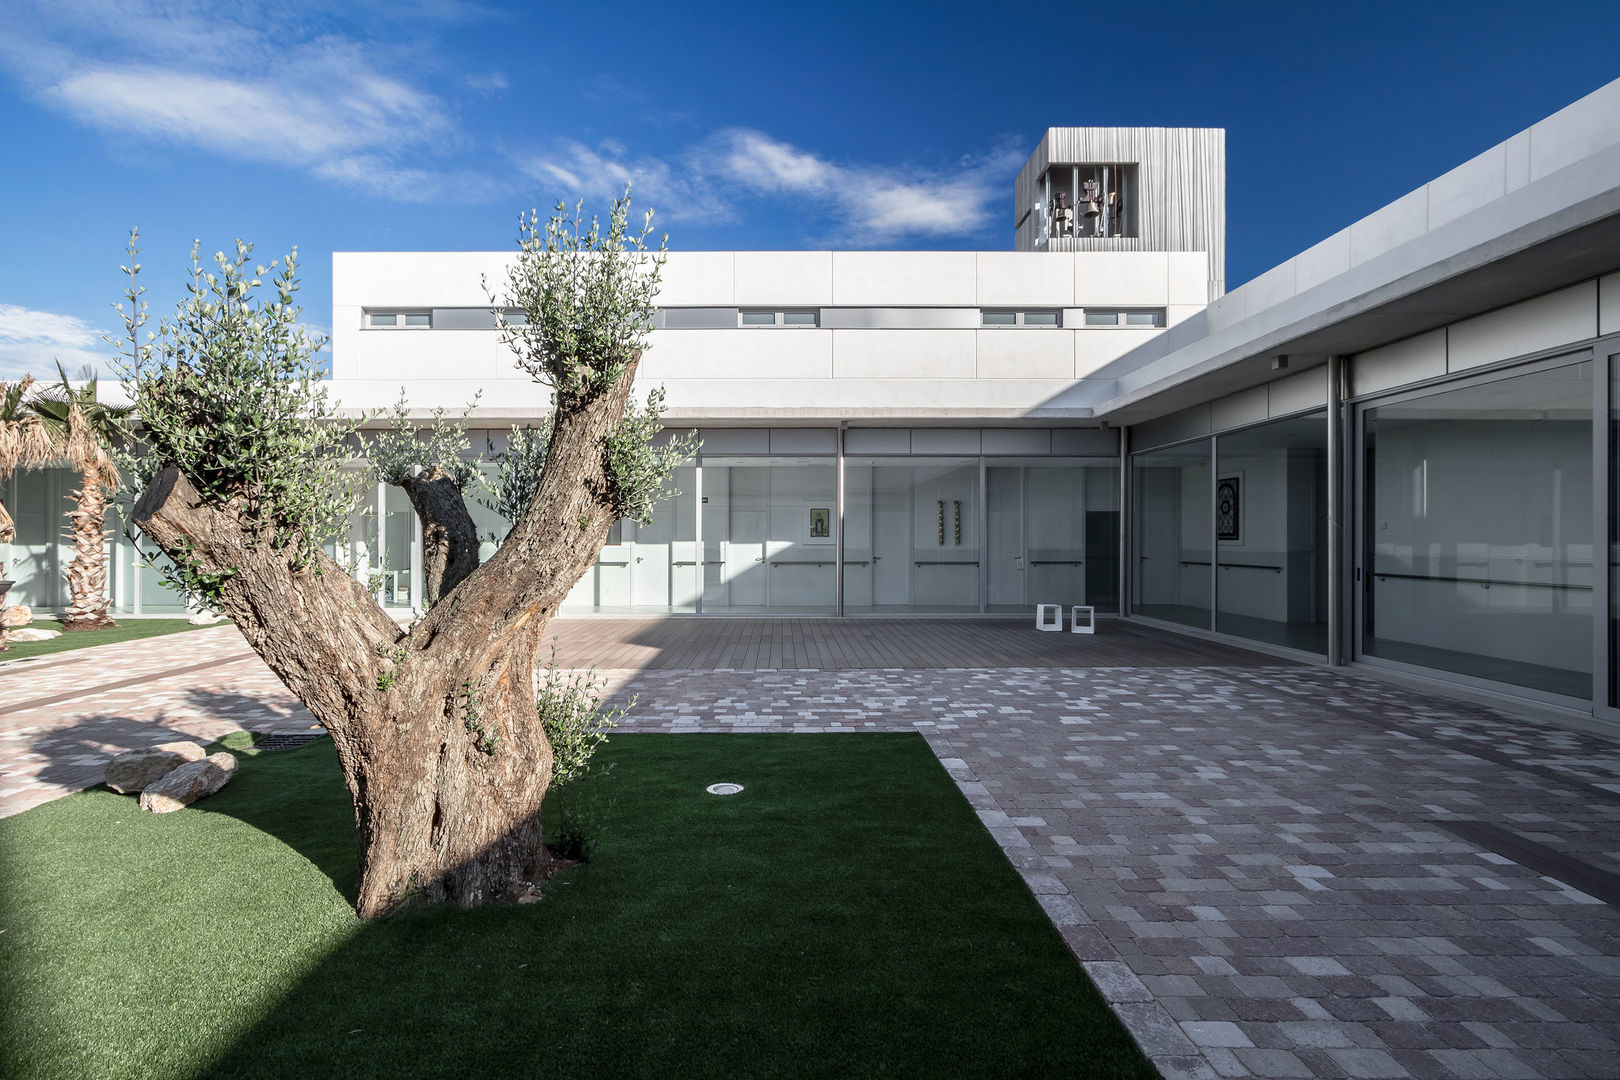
x: 449, y: 537
x: 437, y: 732
x: 87, y: 573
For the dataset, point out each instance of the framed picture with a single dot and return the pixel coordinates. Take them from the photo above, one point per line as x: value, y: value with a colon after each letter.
x: 820, y: 523
x: 1229, y: 509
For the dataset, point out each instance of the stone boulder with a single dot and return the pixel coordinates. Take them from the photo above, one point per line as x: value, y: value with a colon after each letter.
x: 32, y: 633
x: 17, y: 616
x: 137, y: 770
x: 205, y: 618
x: 190, y: 782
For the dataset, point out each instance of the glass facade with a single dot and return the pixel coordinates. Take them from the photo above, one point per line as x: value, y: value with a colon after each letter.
x: 912, y: 534
x: 1172, y: 497
x: 1053, y: 533
x: 1271, y: 509
x: 1479, y: 530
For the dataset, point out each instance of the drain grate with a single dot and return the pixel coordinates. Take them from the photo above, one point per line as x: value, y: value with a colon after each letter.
x: 282, y: 740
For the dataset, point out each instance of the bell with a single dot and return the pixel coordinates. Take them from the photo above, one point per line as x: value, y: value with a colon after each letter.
x: 1091, y: 209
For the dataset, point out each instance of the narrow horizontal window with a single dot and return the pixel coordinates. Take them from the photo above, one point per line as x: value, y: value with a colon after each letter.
x: 378, y: 318
x: 759, y: 318
x: 1020, y: 318
x: 798, y: 318
x: 516, y: 318
x: 1144, y: 318
x: 420, y: 318
x: 1102, y: 318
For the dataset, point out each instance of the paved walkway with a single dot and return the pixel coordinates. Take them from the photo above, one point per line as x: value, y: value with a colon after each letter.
x: 1269, y: 869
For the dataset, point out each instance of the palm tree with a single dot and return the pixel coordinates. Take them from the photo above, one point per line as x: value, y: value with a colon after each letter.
x: 83, y: 430
x: 24, y: 444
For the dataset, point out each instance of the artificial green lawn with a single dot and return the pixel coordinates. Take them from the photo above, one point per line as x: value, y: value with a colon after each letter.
x: 129, y: 630
x: 846, y: 915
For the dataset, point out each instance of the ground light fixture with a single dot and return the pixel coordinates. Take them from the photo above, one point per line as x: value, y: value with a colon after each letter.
x: 723, y: 789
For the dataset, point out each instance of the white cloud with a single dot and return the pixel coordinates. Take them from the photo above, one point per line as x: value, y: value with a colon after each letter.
x: 31, y: 343
x: 212, y: 81
x: 860, y: 204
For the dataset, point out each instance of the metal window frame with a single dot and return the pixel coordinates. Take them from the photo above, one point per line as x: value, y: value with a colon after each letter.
x: 1358, y: 581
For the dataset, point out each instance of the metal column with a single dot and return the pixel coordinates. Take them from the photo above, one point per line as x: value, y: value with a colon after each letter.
x: 838, y: 541
x: 1126, y: 528
x: 1338, y: 585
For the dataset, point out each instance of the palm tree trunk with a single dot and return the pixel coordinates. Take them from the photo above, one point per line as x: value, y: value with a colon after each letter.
x: 87, y: 573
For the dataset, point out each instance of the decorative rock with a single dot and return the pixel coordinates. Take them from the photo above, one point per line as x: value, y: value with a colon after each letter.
x: 205, y: 618
x: 17, y: 616
x: 32, y: 633
x: 136, y: 770
x: 190, y: 782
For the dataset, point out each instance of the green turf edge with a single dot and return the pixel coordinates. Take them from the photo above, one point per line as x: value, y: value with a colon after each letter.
x: 131, y: 630
x: 847, y: 915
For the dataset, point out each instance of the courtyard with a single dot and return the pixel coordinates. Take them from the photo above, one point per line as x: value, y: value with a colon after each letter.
x: 1267, y: 868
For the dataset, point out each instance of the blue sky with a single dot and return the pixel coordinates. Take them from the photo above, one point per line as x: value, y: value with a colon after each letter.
x: 429, y: 125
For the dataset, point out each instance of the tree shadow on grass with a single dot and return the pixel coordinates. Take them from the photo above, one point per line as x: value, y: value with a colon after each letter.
x: 846, y: 916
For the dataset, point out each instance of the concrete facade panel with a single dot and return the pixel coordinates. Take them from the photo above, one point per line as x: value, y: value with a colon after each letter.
x: 463, y: 356
x: 698, y: 279
x: 1092, y: 441
x: 782, y: 278
x: 901, y: 278
x: 1468, y: 187
x: 1121, y: 278
x: 1296, y: 393
x: 718, y: 441
x: 1404, y: 219
x: 1186, y: 278
x: 1242, y: 408
x: 1025, y: 353
x: 429, y: 279
x: 903, y: 354
x: 767, y: 353
x: 1399, y: 363
x: 946, y: 441
x: 1024, y: 279
x: 1609, y: 304
x: 1543, y: 323
x: 1096, y: 347
x: 1322, y: 261
x: 1016, y: 441
x: 1576, y: 131
x: 804, y: 441
x: 877, y: 441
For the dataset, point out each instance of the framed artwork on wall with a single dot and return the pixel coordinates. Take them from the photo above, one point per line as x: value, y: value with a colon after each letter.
x: 1229, y: 508
x: 820, y: 523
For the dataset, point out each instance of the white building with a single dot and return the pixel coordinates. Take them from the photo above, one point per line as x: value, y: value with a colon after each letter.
x: 1392, y: 450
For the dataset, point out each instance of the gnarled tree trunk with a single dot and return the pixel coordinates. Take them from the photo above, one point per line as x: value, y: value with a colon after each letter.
x: 449, y: 537
x: 437, y: 731
x: 87, y: 573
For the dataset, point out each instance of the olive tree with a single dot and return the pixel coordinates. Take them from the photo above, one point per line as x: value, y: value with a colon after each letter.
x: 429, y: 466
x: 436, y: 726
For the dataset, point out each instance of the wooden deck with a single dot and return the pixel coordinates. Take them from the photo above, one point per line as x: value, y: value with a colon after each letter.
x: 751, y: 644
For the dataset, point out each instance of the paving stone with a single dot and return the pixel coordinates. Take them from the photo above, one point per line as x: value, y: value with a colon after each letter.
x: 1263, y: 844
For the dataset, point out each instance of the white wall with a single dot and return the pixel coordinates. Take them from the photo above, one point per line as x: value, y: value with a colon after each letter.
x: 902, y: 370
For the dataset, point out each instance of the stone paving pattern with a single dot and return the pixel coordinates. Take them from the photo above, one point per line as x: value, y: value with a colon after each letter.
x: 1251, y: 863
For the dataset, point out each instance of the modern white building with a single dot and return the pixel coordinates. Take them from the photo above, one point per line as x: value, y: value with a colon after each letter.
x: 1393, y: 450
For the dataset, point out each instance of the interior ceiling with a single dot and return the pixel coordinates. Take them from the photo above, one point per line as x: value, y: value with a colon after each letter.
x: 1564, y: 260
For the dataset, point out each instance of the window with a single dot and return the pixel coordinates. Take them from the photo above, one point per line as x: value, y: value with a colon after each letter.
x: 516, y: 317
x: 395, y: 320
x: 781, y: 318
x: 1116, y: 317
x: 1022, y: 318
